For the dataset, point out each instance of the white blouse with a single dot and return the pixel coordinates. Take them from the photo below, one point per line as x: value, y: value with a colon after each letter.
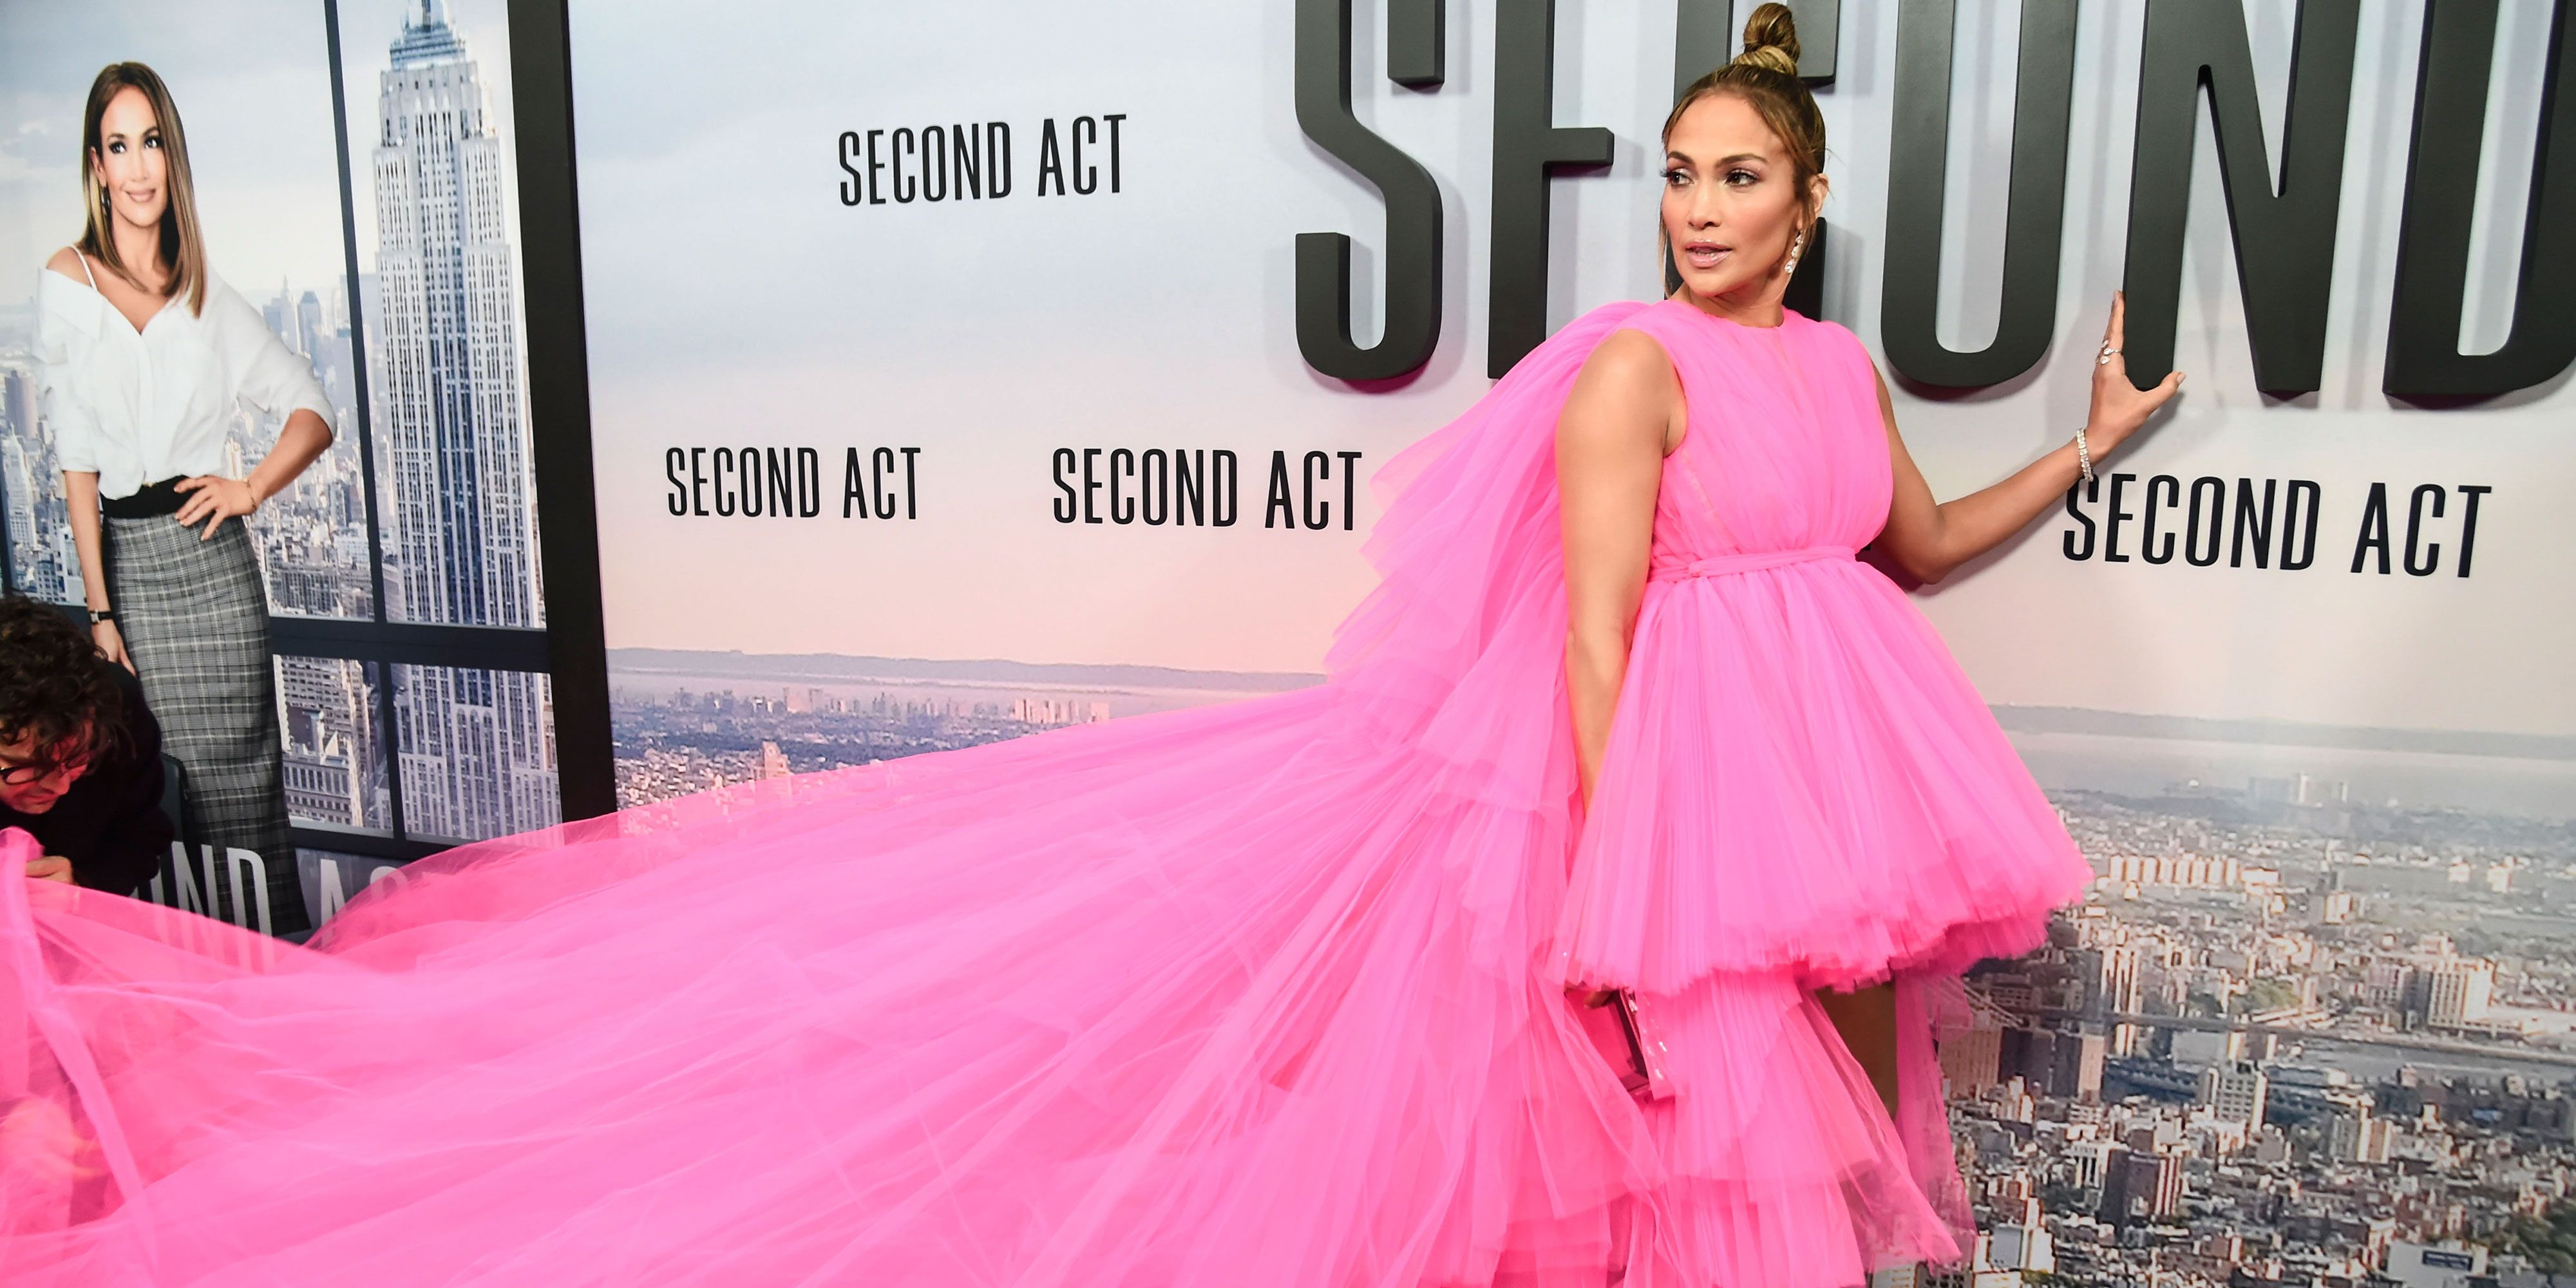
x: 139, y: 407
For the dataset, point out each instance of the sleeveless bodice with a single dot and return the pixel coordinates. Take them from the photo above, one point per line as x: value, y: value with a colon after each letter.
x: 1785, y: 450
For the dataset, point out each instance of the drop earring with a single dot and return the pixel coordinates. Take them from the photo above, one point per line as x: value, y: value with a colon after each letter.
x: 1789, y: 266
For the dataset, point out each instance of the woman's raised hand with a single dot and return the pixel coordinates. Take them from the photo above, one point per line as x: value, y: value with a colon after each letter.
x: 2120, y: 407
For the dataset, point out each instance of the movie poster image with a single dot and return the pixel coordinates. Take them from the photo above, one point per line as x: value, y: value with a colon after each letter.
x: 947, y: 388
x: 380, y: 246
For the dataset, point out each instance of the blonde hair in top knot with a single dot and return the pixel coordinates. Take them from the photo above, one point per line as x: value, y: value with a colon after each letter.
x: 1771, y: 39
x: 1765, y: 76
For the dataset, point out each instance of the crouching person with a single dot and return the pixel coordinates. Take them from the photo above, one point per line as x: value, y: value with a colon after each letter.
x: 80, y: 756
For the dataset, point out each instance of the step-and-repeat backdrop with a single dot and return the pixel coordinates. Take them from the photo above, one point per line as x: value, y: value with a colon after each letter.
x: 977, y: 367
x: 962, y: 371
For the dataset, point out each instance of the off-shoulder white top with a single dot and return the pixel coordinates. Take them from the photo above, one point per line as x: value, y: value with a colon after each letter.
x: 137, y: 407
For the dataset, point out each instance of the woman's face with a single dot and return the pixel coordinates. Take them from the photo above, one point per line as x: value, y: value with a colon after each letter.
x: 1732, y: 201
x: 127, y: 155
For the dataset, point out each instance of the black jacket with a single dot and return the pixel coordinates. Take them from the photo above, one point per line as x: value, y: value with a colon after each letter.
x: 110, y: 823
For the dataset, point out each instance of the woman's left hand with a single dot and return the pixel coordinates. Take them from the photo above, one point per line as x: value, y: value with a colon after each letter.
x: 215, y: 499
x: 2120, y: 407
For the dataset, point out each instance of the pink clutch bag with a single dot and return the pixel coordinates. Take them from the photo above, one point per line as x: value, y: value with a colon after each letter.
x: 1628, y: 1039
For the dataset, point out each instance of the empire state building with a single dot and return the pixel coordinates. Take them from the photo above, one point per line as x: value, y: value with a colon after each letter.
x: 477, y: 746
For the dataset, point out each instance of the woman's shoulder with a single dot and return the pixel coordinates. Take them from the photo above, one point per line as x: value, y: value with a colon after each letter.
x: 1631, y: 353
x: 220, y: 291
x: 66, y: 262
x: 1630, y: 365
x: 1636, y: 336
x: 66, y: 303
x: 1570, y: 349
x: 66, y: 280
x: 1635, y: 327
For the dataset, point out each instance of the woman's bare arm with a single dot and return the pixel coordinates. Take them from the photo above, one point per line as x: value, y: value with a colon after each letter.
x: 1618, y: 423
x: 1929, y: 538
x: 213, y: 497
x: 80, y: 493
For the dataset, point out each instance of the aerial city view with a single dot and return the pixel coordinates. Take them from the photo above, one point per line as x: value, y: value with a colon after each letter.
x: 2303, y: 1031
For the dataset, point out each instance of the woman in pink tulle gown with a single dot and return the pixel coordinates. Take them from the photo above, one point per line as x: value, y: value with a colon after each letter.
x: 1266, y: 995
x: 1800, y: 817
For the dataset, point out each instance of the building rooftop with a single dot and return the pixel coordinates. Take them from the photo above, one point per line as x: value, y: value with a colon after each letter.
x: 426, y: 38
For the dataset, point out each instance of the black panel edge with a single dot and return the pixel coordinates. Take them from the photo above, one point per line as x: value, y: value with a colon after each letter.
x: 559, y: 404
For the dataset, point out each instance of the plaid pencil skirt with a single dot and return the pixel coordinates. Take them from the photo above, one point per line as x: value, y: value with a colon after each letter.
x: 194, y: 614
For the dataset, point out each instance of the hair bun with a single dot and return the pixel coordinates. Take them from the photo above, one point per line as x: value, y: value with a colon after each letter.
x: 1771, y: 39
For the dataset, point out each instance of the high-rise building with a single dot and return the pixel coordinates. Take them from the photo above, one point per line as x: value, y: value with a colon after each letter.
x: 2077, y: 1063
x: 18, y: 400
x: 2457, y: 992
x: 2354, y: 1134
x: 2022, y: 1244
x: 58, y: 577
x: 2115, y: 984
x: 309, y: 328
x: 279, y: 314
x: 20, y: 481
x: 333, y: 770
x: 2237, y: 1091
x: 2140, y: 1187
x: 477, y: 746
x: 2090, y: 1162
x: 1972, y: 1059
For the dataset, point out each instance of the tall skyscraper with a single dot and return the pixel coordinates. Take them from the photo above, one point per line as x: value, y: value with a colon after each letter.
x: 20, y: 483
x: 331, y: 756
x: 309, y: 328
x: 18, y: 400
x: 477, y: 747
x: 279, y: 313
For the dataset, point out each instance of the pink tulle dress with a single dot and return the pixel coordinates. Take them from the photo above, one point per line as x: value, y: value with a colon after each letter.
x: 1265, y: 995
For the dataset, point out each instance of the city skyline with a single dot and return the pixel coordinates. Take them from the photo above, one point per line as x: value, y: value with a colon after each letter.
x: 2081, y: 748
x: 2271, y: 1048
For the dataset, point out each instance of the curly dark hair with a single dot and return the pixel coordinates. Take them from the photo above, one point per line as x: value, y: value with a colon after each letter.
x: 54, y: 687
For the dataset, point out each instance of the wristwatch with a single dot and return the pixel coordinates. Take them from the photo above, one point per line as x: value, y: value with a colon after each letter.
x: 97, y: 615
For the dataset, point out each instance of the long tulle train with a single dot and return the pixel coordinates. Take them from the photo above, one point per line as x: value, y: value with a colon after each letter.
x: 1260, y: 996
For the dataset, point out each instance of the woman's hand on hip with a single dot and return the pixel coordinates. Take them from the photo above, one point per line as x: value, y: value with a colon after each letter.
x: 214, y: 499
x: 111, y: 644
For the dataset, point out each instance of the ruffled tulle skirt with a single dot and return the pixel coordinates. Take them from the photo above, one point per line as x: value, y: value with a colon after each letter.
x: 1800, y: 779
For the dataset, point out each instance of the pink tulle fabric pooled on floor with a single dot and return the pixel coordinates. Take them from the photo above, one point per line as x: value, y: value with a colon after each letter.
x: 1266, y: 995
